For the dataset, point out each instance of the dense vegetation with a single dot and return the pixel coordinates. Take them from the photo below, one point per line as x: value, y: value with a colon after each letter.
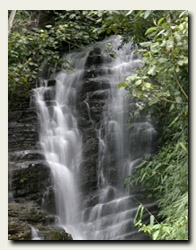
x: 36, y: 42
x: 162, y: 83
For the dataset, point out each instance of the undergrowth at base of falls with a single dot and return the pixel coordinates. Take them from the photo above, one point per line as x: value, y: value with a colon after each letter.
x: 162, y: 84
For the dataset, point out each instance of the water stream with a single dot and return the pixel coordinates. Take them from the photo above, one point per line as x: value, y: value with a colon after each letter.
x: 120, y: 147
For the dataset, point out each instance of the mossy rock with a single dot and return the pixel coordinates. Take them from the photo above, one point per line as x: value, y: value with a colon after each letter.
x: 54, y: 233
x: 24, y: 216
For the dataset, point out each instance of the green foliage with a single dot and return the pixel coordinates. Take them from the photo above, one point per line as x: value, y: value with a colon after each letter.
x: 165, y: 61
x: 162, y: 83
x: 130, y: 24
x: 33, y: 48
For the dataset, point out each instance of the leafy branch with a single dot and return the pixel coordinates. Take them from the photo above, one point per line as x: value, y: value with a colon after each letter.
x: 170, y: 101
x: 142, y: 205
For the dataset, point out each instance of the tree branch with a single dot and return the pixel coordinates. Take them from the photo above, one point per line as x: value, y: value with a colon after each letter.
x: 180, y: 86
x: 10, y: 20
x: 146, y: 209
x: 166, y: 100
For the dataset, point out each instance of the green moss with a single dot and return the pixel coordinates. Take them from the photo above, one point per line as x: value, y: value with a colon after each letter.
x: 55, y: 236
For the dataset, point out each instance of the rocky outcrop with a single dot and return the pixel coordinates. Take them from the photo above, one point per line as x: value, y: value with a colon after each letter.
x: 27, y: 217
x: 31, y: 183
x: 30, y: 186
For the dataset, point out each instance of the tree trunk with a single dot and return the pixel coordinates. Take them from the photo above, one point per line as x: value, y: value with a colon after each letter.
x: 10, y: 20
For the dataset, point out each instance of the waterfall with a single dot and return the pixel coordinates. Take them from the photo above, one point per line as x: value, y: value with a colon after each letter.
x: 61, y: 140
x: 35, y: 234
x: 120, y: 147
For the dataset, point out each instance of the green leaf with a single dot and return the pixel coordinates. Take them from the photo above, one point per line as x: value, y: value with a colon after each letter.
x: 139, y: 13
x: 162, y: 60
x: 183, y: 13
x: 143, y: 176
x: 153, y: 101
x: 171, y: 107
x: 151, y: 220
x: 175, y: 51
x: 24, y: 79
x: 137, y: 93
x: 72, y: 16
x: 147, y: 13
x: 150, y: 30
x: 177, y: 69
x: 148, y: 85
x: 174, y: 121
x: 155, y: 235
x: 48, y: 26
x: 138, y: 82
x: 145, y: 44
x: 132, y: 78
x: 178, y: 99
x: 129, y: 13
x: 141, y: 212
x: 137, y: 214
x: 121, y: 84
x: 183, y: 147
x: 180, y: 62
x: 152, y: 70
x: 160, y: 20
x: 161, y: 33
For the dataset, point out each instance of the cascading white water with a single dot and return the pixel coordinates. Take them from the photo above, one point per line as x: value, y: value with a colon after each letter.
x: 61, y: 141
x: 35, y: 234
x: 111, y: 218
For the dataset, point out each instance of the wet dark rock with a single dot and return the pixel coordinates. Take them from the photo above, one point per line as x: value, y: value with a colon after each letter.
x: 89, y: 174
x: 30, y: 186
x: 84, y: 123
x: 49, y: 94
x: 91, y: 147
x: 29, y: 212
x: 51, y: 82
x: 30, y: 183
x: 18, y: 230
x: 22, y: 217
x: 54, y: 233
x: 92, y: 200
x: 93, y: 85
x: 48, y: 200
x: 50, y: 103
x: 98, y: 71
x: 95, y: 51
x: 22, y: 130
x: 94, y: 60
x: 99, y: 95
x: 25, y: 156
x: 92, y: 96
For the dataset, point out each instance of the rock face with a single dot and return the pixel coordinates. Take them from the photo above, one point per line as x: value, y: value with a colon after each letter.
x: 31, y: 196
x: 30, y: 183
x: 25, y: 217
x: 92, y: 97
x: 23, y: 147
